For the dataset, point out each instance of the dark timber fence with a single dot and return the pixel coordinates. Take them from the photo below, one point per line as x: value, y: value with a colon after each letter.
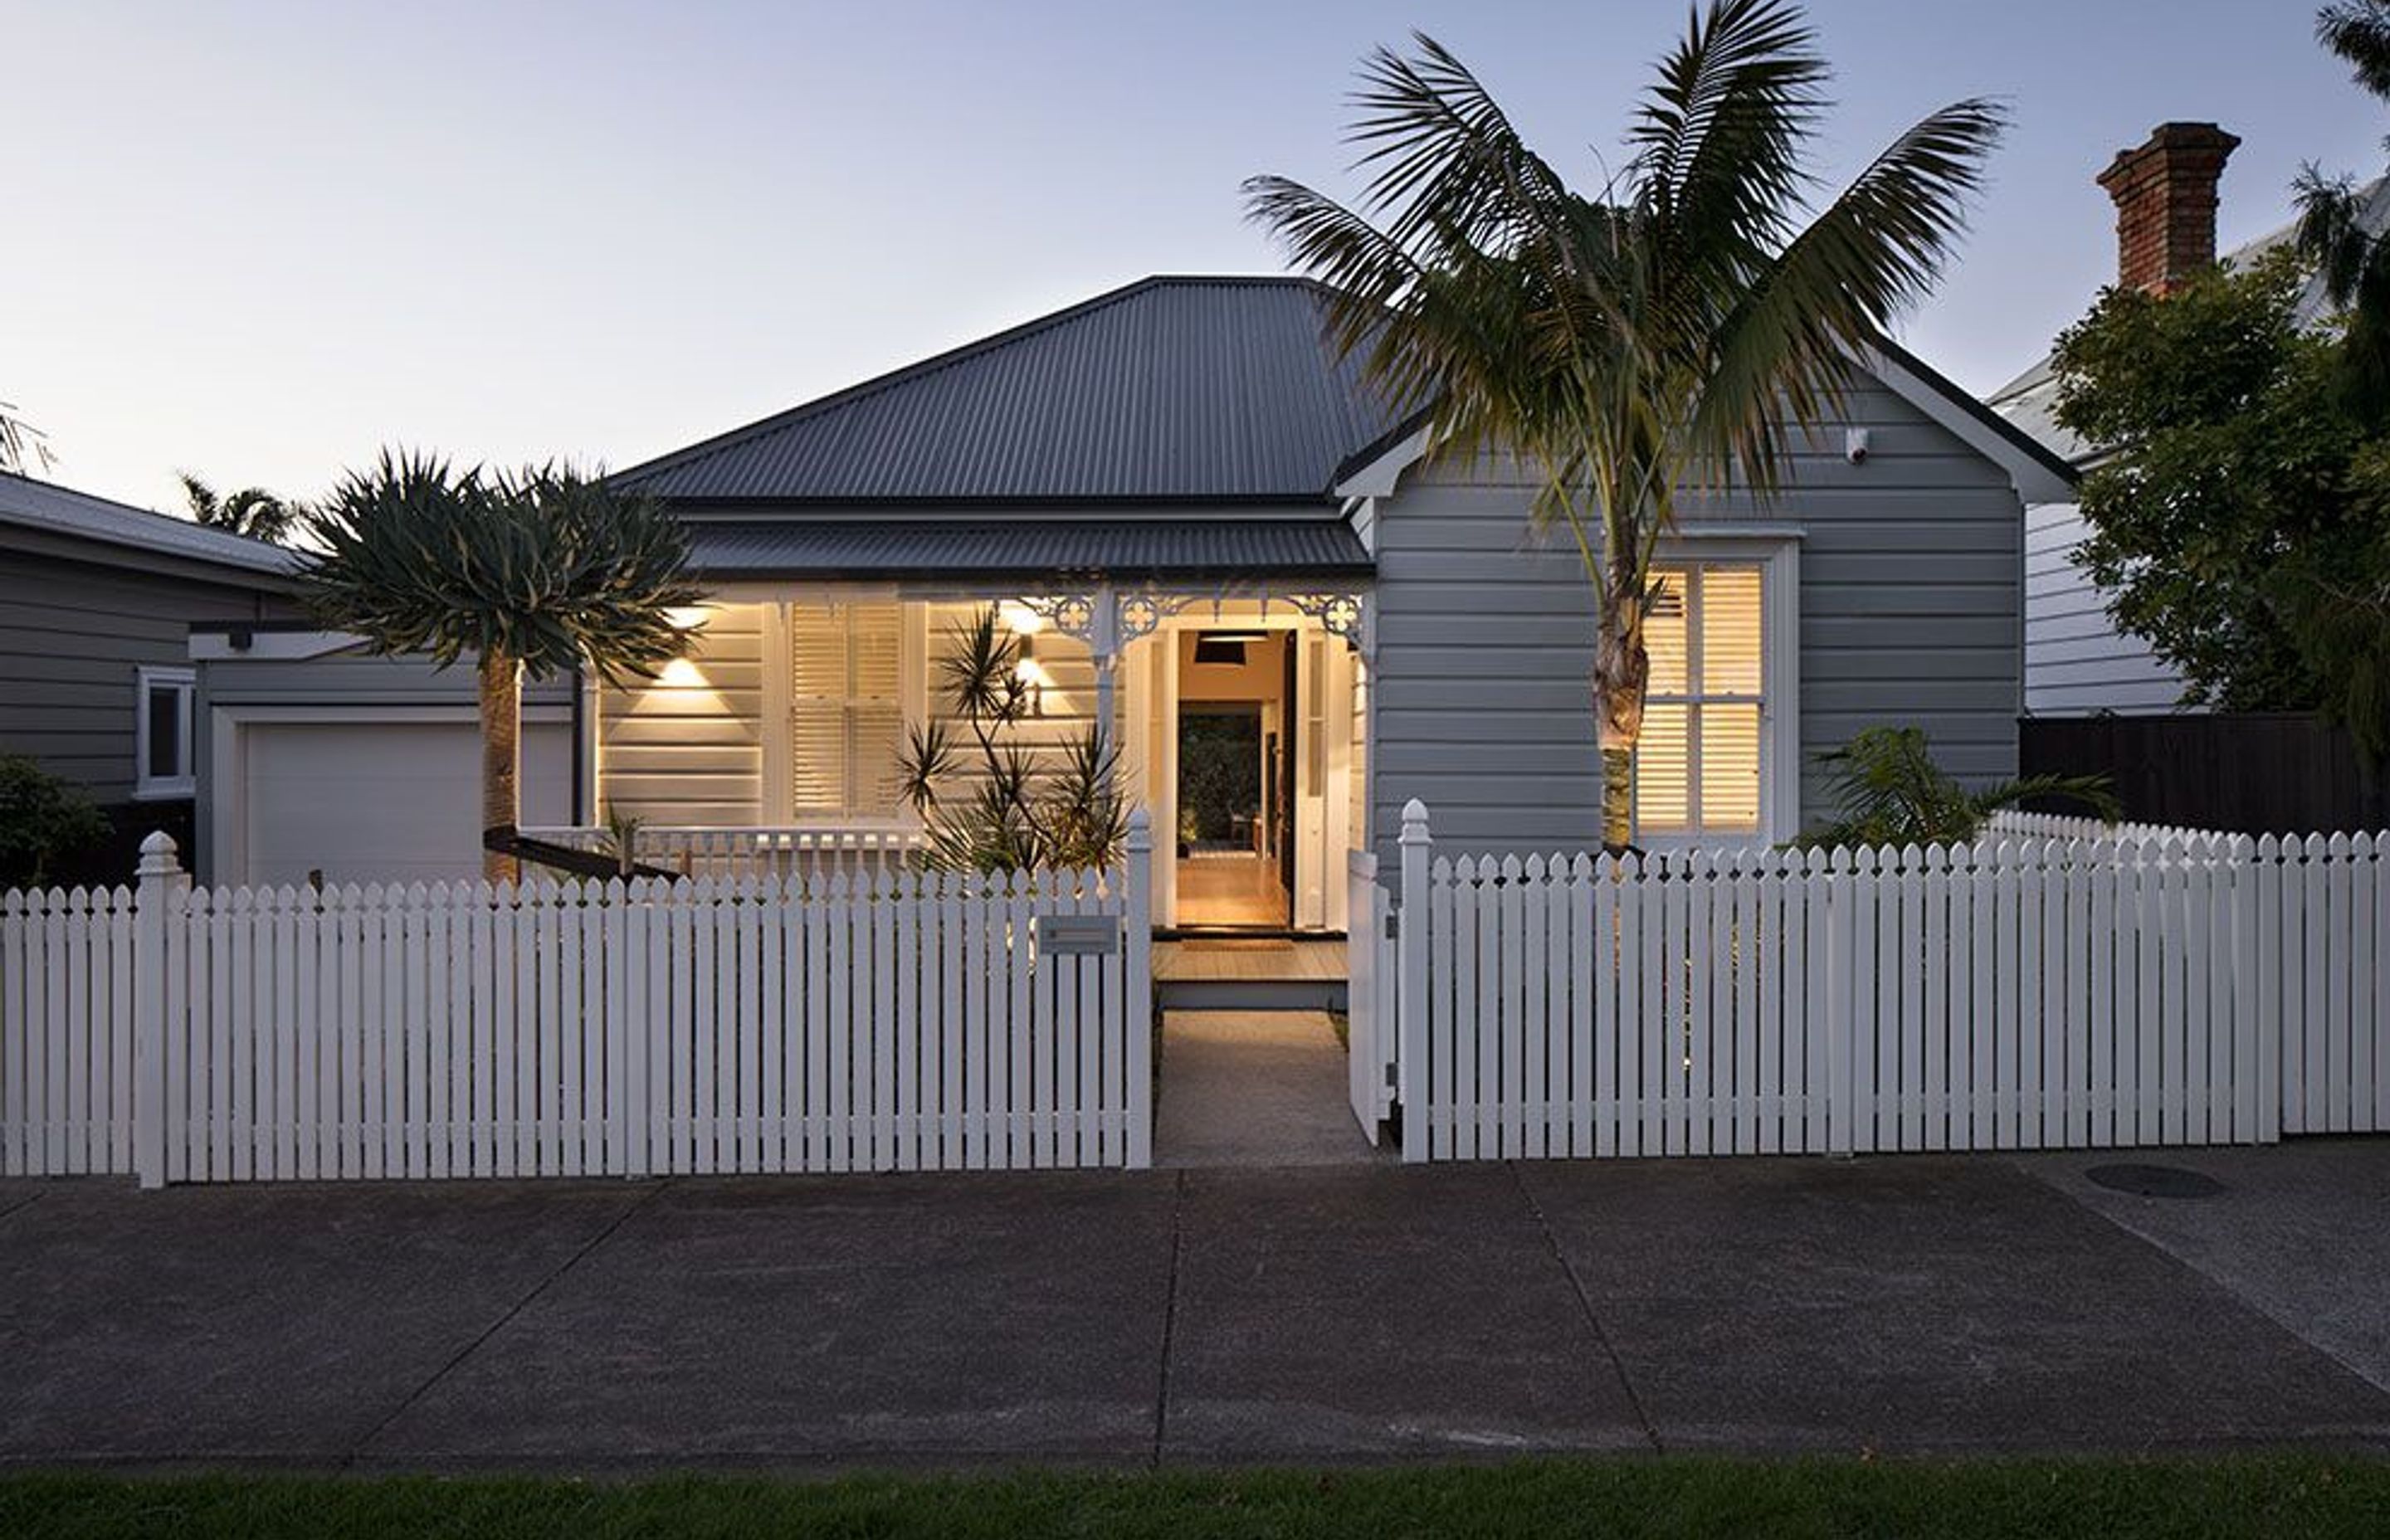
x: 2252, y: 773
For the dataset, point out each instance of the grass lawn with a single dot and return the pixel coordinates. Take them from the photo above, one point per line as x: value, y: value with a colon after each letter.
x: 2304, y: 1496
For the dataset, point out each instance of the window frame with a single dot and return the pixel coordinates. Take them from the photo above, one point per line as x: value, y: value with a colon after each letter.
x: 1775, y: 552
x: 148, y: 678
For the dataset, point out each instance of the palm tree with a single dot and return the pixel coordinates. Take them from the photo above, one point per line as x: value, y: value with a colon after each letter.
x: 1671, y: 330
x: 22, y: 443
x: 2353, y: 261
x: 252, y: 511
x: 531, y: 574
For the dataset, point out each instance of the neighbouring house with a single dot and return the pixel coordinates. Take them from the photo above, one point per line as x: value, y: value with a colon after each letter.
x: 2165, y: 196
x: 1202, y: 526
x: 97, y: 603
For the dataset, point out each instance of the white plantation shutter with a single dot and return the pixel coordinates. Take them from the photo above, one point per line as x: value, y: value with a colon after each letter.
x: 1730, y: 630
x: 1699, y: 761
x: 846, y: 714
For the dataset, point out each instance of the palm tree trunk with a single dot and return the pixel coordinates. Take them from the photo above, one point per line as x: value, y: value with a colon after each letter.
x: 1621, y: 671
x: 501, y: 757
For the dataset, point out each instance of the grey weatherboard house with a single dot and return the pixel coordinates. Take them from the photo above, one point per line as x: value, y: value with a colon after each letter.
x: 97, y: 603
x: 1187, y: 505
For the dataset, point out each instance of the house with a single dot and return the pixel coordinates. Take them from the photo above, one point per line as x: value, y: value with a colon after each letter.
x: 1204, y: 529
x: 2166, y: 194
x: 97, y: 600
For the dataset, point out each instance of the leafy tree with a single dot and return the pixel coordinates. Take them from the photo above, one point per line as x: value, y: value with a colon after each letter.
x: 1887, y: 790
x: 1011, y: 813
x: 42, y: 819
x: 1668, y: 331
x: 2353, y: 261
x: 2239, y: 520
x: 252, y: 511
x: 529, y: 574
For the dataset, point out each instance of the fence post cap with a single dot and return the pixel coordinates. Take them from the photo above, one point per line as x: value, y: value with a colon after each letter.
x: 1140, y: 830
x: 1414, y: 822
x: 157, y: 855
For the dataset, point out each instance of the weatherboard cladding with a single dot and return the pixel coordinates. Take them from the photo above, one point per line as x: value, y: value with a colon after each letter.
x: 1143, y: 548
x: 1186, y: 387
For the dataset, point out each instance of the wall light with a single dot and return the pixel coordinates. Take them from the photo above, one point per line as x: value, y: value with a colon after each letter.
x: 1031, y: 675
x: 688, y: 617
x: 1019, y: 618
x: 682, y: 673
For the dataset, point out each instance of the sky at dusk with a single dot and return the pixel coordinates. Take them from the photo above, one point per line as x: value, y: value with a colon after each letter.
x: 258, y: 240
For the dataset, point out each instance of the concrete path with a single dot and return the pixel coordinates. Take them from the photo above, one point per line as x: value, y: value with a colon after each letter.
x: 1360, y: 1312
x: 1254, y: 1088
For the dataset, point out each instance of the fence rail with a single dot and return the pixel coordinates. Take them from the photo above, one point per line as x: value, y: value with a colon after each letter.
x: 870, y: 1021
x: 815, y: 849
x: 2164, y: 987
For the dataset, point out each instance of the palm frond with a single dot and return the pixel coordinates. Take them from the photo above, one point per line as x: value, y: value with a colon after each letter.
x: 2359, y: 33
x: 1780, y: 354
x: 2331, y: 233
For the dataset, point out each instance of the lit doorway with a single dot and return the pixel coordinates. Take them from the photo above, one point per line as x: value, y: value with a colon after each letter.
x: 1235, y: 760
x: 1306, y: 811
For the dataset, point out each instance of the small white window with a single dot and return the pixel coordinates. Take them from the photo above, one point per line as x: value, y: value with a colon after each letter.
x: 1698, y: 763
x: 161, y: 733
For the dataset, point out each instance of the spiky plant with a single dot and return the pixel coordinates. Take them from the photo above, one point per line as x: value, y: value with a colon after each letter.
x: 1888, y: 790
x: 1670, y: 329
x: 1011, y: 813
x: 529, y: 574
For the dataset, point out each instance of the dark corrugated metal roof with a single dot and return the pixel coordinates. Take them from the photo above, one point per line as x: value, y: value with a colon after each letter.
x: 1134, y: 549
x: 1173, y: 388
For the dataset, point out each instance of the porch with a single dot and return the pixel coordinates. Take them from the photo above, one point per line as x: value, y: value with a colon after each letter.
x: 1238, y: 712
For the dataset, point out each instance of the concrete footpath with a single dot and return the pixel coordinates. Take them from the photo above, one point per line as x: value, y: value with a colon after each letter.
x: 1337, y: 1313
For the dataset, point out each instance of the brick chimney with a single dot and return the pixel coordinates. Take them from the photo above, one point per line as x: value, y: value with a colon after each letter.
x: 2166, y: 204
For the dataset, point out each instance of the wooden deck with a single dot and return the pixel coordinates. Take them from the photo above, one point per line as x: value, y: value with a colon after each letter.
x: 1230, y: 890
x: 1232, y: 960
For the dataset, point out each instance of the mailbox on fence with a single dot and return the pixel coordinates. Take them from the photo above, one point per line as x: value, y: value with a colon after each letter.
x: 1078, y: 935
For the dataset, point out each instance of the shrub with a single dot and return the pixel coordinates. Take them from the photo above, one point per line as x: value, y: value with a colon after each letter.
x: 42, y: 819
x: 1889, y: 792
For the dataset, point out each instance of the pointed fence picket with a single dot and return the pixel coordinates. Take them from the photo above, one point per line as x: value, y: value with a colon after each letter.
x: 2056, y: 984
x: 746, y: 1022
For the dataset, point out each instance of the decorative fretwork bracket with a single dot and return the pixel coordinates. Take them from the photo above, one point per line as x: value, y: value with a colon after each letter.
x: 1345, y: 615
x: 1105, y: 618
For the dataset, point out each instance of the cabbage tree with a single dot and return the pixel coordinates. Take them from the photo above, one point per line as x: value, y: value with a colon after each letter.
x: 528, y: 574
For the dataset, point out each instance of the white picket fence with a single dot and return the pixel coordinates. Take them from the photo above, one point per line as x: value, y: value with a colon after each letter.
x: 2163, y: 987
x: 894, y: 1021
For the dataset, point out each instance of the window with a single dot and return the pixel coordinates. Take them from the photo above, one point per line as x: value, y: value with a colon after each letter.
x: 846, y: 714
x: 1698, y: 763
x: 161, y: 733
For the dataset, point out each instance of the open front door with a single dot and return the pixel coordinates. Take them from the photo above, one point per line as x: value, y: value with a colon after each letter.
x: 1160, y: 666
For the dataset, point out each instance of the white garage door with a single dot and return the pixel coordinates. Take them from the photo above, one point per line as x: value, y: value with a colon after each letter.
x: 378, y: 802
